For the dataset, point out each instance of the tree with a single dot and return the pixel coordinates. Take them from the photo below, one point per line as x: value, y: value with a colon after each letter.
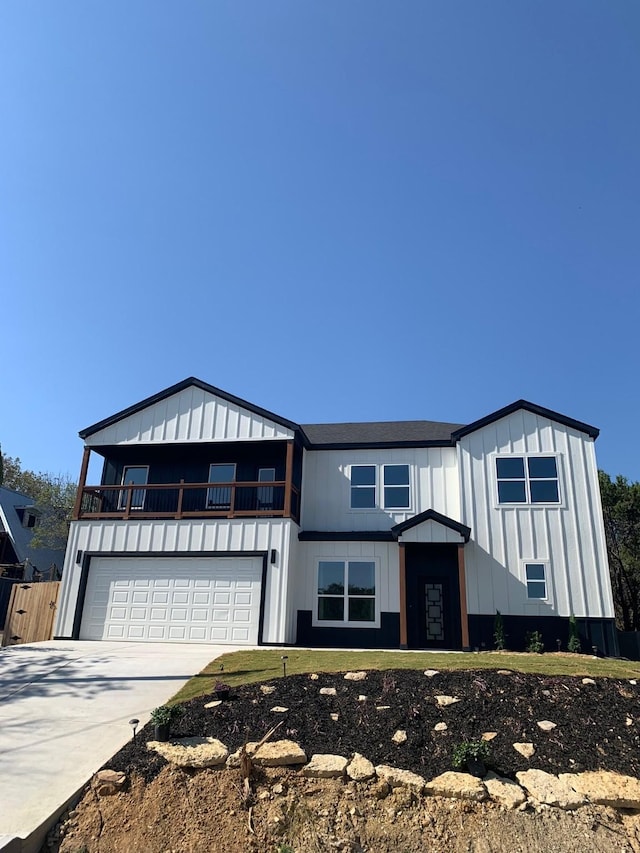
x: 621, y: 511
x: 53, y: 496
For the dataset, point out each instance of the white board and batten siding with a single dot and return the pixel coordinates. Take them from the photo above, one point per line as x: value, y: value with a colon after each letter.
x: 568, y: 537
x: 431, y: 531
x: 326, y: 493
x: 184, y: 539
x: 191, y: 415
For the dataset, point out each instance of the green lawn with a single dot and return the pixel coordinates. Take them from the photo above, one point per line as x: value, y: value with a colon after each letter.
x: 260, y: 665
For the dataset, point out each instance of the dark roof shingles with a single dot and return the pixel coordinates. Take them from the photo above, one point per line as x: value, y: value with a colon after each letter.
x: 387, y: 432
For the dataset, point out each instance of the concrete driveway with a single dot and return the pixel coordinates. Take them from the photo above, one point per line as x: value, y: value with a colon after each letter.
x: 65, y: 709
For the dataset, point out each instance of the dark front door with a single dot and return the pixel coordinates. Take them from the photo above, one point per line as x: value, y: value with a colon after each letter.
x: 433, y: 597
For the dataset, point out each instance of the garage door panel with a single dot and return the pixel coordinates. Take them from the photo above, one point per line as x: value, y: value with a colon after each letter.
x: 208, y: 600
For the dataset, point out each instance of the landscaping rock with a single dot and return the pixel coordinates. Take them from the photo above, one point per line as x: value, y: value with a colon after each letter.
x: 546, y: 725
x: 526, y: 749
x: 362, y: 698
x: 335, y: 717
x: 234, y: 759
x: 278, y: 709
x: 213, y: 704
x: 505, y: 672
x: 504, y: 791
x: 360, y: 768
x: 588, y: 681
x: 445, y: 701
x: 196, y: 752
x: 267, y: 689
x: 355, y: 676
x: 606, y: 788
x: 459, y: 786
x: 323, y: 766
x: 109, y: 782
x: 328, y: 691
x: 279, y: 753
x: 383, y: 707
x: 395, y: 777
x: 549, y: 789
x: 487, y: 736
x: 314, y: 676
x: 440, y: 727
x: 431, y: 672
x: 400, y: 736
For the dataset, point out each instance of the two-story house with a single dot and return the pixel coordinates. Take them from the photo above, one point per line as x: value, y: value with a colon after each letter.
x: 216, y: 521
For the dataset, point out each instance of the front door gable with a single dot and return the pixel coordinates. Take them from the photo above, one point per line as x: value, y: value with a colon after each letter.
x: 431, y: 526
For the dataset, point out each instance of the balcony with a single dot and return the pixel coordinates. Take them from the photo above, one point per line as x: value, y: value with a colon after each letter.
x: 236, y: 499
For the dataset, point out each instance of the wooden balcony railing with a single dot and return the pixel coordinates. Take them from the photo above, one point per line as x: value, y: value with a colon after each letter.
x: 191, y: 500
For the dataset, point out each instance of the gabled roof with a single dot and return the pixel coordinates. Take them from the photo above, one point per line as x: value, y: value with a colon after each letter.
x: 431, y: 515
x: 175, y: 389
x: 379, y: 434
x: 591, y: 431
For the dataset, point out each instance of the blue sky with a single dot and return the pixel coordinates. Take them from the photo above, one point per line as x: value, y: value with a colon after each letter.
x: 337, y: 210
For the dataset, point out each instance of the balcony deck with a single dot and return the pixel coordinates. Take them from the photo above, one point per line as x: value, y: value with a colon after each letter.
x: 190, y: 500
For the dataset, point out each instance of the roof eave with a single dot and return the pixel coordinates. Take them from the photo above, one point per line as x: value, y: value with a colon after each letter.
x: 580, y: 426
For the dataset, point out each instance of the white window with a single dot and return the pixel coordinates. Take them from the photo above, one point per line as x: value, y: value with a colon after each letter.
x: 527, y: 480
x: 219, y: 497
x: 393, y: 493
x: 265, y: 493
x: 536, y: 578
x: 346, y: 593
x: 138, y: 475
x: 363, y: 486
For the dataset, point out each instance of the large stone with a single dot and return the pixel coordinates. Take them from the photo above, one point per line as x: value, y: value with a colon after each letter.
x: 445, y: 701
x: 192, y: 751
x: 355, y: 676
x: 400, y: 736
x: 549, y: 789
x: 234, y: 759
x: 546, y: 725
x: 526, y: 749
x: 431, y: 672
x: 504, y: 791
x: 460, y: 786
x: 109, y: 782
x: 395, y: 777
x: 360, y: 768
x: 325, y: 766
x: 279, y: 753
x: 440, y: 727
x: 606, y: 788
x: 328, y: 691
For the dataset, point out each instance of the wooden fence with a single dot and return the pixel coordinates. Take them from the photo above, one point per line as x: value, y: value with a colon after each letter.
x: 31, y: 614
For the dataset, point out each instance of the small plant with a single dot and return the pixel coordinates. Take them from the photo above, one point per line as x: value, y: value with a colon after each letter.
x: 534, y: 642
x: 221, y: 687
x: 574, y: 644
x: 470, y: 750
x: 499, y: 636
x: 164, y: 715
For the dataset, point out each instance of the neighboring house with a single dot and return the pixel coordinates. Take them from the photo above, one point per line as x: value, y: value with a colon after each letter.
x: 18, y: 519
x: 217, y: 521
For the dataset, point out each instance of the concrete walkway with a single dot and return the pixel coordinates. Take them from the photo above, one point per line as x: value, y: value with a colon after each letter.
x: 64, y: 711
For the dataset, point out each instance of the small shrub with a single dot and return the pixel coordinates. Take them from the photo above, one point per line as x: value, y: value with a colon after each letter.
x: 470, y: 750
x: 534, y: 642
x: 499, y: 636
x: 221, y: 687
x: 164, y: 715
x: 574, y: 644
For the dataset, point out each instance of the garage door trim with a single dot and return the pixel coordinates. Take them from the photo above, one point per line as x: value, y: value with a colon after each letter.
x: 86, y: 556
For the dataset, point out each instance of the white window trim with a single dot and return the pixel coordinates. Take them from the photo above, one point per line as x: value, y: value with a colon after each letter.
x: 323, y: 623
x: 210, y: 502
x: 528, y: 503
x: 534, y: 561
x: 123, y: 496
x: 379, y: 488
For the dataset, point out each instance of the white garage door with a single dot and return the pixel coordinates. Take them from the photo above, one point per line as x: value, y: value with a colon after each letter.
x: 166, y: 599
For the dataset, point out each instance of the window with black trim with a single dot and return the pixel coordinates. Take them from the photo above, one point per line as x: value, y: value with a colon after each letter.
x: 527, y: 480
x: 394, y: 491
x: 219, y: 497
x: 346, y: 591
x: 536, y: 578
